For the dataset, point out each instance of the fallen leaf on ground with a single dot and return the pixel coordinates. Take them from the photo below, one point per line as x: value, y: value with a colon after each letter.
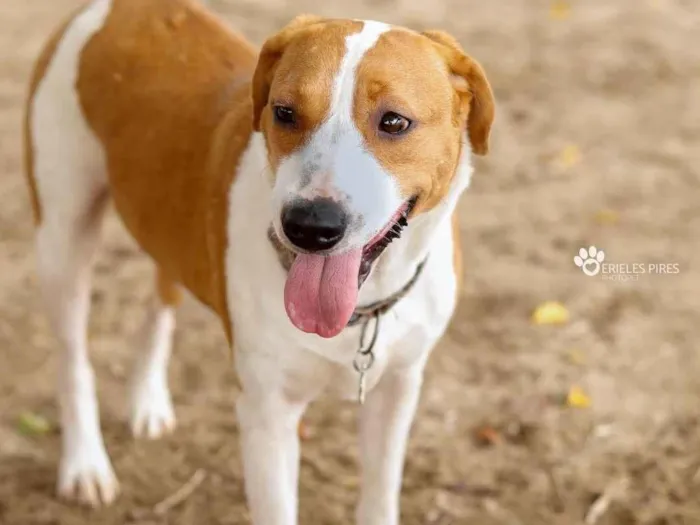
x: 607, y: 217
x: 487, y: 436
x: 576, y: 356
x: 577, y: 398
x: 304, y: 431
x: 658, y: 4
x: 32, y: 424
x: 550, y: 312
x: 559, y: 10
x: 569, y: 156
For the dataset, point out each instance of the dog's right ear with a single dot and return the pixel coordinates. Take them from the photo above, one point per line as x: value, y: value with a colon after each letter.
x: 271, y: 52
x: 469, y: 80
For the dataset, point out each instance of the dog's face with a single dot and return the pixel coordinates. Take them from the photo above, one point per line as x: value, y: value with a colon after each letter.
x: 364, y: 127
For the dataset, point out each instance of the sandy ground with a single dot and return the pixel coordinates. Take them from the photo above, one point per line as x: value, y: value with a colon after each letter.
x: 596, y: 143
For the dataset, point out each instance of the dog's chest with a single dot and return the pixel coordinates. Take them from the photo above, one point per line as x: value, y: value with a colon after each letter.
x: 306, y: 365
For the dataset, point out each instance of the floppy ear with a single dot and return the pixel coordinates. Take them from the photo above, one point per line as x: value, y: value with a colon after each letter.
x: 472, y: 86
x: 270, y: 54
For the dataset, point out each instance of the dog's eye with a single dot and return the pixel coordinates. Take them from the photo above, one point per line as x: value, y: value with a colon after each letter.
x: 393, y: 123
x: 285, y: 115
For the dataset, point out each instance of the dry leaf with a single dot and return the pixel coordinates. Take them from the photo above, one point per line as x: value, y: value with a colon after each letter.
x: 569, y: 156
x: 577, y: 398
x: 576, y: 356
x: 607, y: 217
x: 304, y: 431
x: 559, y: 10
x: 487, y: 436
x: 32, y: 424
x: 658, y: 4
x: 550, y: 312
x: 350, y: 482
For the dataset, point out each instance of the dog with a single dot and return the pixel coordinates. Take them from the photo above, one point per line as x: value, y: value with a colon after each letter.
x: 305, y: 193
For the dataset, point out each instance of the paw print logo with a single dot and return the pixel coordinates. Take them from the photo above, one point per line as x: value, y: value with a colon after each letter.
x: 589, y: 260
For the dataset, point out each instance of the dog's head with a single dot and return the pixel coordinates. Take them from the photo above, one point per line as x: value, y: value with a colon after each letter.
x: 364, y: 127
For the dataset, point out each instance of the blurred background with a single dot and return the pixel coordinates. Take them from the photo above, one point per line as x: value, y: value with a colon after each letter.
x: 555, y: 397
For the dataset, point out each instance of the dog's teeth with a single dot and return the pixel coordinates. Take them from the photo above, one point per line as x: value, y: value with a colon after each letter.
x: 396, y: 228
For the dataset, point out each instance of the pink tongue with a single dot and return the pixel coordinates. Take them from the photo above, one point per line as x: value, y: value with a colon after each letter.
x: 321, y: 292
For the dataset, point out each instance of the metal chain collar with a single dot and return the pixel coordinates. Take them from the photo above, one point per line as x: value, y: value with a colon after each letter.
x: 364, y: 357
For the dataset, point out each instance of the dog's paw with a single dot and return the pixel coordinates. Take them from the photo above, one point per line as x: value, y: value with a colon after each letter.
x: 152, y: 409
x: 86, y: 477
x: 589, y: 260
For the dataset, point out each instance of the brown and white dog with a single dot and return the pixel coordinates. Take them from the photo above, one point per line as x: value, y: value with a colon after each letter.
x: 269, y: 186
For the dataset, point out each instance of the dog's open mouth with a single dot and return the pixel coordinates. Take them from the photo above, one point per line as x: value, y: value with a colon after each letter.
x: 321, y: 291
x: 378, y: 244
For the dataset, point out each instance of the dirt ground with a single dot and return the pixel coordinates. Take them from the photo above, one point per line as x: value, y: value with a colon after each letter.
x: 596, y: 142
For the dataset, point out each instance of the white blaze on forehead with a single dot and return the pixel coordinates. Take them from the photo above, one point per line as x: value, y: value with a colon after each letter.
x: 356, y: 45
x: 335, y: 162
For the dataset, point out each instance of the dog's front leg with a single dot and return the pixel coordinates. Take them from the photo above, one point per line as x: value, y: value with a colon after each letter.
x: 269, y: 423
x: 385, y: 423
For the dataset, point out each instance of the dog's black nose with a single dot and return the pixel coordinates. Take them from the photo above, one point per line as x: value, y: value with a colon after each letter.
x: 314, y: 225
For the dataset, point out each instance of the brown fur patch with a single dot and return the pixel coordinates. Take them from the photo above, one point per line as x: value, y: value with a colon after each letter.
x: 168, y: 290
x: 165, y: 86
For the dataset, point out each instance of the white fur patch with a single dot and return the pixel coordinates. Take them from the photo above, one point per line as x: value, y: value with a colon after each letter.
x: 356, y: 46
x: 61, y: 138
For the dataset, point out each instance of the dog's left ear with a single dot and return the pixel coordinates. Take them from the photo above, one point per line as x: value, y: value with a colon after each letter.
x: 469, y: 80
x: 271, y: 52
